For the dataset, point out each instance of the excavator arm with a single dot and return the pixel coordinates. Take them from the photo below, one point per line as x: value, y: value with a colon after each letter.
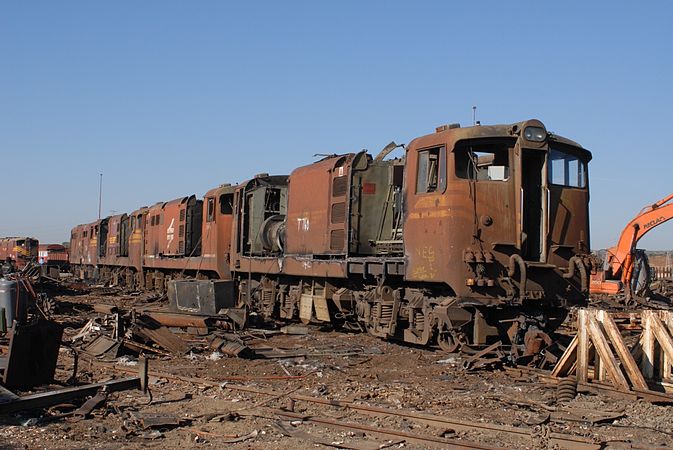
x: 619, y: 259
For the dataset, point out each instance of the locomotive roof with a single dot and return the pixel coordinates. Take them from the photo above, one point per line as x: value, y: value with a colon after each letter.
x: 221, y: 189
x: 457, y: 133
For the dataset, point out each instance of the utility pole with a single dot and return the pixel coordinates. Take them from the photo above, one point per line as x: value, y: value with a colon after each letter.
x: 474, y: 115
x: 100, y: 194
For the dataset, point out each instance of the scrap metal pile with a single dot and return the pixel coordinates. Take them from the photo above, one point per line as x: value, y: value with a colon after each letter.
x: 136, y: 370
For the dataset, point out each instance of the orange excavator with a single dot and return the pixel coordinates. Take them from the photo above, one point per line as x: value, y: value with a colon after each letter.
x: 626, y: 269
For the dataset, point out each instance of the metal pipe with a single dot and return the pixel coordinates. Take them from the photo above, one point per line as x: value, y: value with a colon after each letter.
x: 100, y: 195
x: 574, y: 262
x: 514, y: 261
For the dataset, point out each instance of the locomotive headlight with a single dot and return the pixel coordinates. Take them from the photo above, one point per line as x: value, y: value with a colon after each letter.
x: 535, y: 134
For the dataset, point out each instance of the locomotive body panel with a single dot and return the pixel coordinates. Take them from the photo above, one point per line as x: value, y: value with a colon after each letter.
x: 316, y: 213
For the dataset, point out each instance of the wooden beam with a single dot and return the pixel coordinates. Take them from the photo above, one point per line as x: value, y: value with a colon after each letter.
x: 623, y: 353
x: 582, y: 346
x: 662, y: 335
x: 605, y: 353
x: 566, y: 363
x: 647, y: 345
x: 667, y: 319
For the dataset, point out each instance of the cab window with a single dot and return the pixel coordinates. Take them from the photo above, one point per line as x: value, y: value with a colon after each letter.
x: 431, y: 172
x: 482, y: 162
x: 226, y: 203
x: 566, y: 169
x: 211, y: 210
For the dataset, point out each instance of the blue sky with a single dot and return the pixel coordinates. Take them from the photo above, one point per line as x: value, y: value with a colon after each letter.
x: 173, y: 98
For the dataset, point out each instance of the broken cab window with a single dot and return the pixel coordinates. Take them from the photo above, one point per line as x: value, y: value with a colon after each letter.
x: 485, y: 162
x: 226, y: 203
x: 211, y: 210
x: 431, y: 173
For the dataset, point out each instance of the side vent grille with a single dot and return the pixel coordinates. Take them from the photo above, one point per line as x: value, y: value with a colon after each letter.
x: 339, y: 213
x: 337, y: 238
x: 339, y: 186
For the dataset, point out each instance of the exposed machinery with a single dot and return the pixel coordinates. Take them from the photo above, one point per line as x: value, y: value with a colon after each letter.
x: 626, y: 269
x: 475, y: 235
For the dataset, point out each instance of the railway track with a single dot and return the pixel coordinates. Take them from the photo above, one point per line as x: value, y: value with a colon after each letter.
x: 559, y: 440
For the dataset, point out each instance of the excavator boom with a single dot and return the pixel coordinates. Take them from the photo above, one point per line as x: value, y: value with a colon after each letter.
x: 620, y: 259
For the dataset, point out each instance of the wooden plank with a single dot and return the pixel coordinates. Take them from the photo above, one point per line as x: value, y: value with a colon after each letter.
x: 582, y: 346
x: 647, y: 345
x: 566, y: 362
x: 600, y: 371
x: 623, y: 353
x: 662, y: 336
x: 667, y: 319
x: 605, y: 353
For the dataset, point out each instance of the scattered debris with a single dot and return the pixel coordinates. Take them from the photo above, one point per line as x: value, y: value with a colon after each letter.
x: 295, y: 329
x: 489, y: 357
x: 232, y: 387
x: 160, y: 421
x: 49, y: 398
x: 223, y: 438
x: 231, y: 346
x: 83, y: 411
x: 103, y: 346
x: 161, y: 336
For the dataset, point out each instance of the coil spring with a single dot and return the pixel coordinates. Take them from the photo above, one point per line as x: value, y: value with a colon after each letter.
x: 566, y: 390
x: 386, y: 313
x: 419, y: 320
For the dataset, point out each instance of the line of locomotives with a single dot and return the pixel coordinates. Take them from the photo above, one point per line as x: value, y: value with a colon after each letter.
x: 475, y: 234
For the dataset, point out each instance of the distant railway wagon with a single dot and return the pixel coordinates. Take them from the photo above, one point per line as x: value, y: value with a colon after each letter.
x: 474, y: 234
x: 53, y: 255
x: 21, y: 250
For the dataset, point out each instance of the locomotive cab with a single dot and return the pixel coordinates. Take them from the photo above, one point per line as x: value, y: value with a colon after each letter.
x: 510, y: 202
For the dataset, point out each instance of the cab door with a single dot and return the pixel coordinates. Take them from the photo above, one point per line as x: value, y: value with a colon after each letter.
x: 428, y: 213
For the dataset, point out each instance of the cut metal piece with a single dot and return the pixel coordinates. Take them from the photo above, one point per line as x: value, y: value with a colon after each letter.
x: 46, y: 399
x: 94, y: 402
x: 163, y: 337
x: 32, y: 355
x: 103, y: 346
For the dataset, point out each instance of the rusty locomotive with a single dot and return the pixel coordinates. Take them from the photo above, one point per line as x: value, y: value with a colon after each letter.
x: 475, y: 234
x: 20, y: 250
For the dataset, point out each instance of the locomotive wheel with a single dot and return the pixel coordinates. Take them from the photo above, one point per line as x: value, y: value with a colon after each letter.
x: 448, y: 341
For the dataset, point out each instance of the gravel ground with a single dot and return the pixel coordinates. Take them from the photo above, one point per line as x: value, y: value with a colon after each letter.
x: 339, y: 366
